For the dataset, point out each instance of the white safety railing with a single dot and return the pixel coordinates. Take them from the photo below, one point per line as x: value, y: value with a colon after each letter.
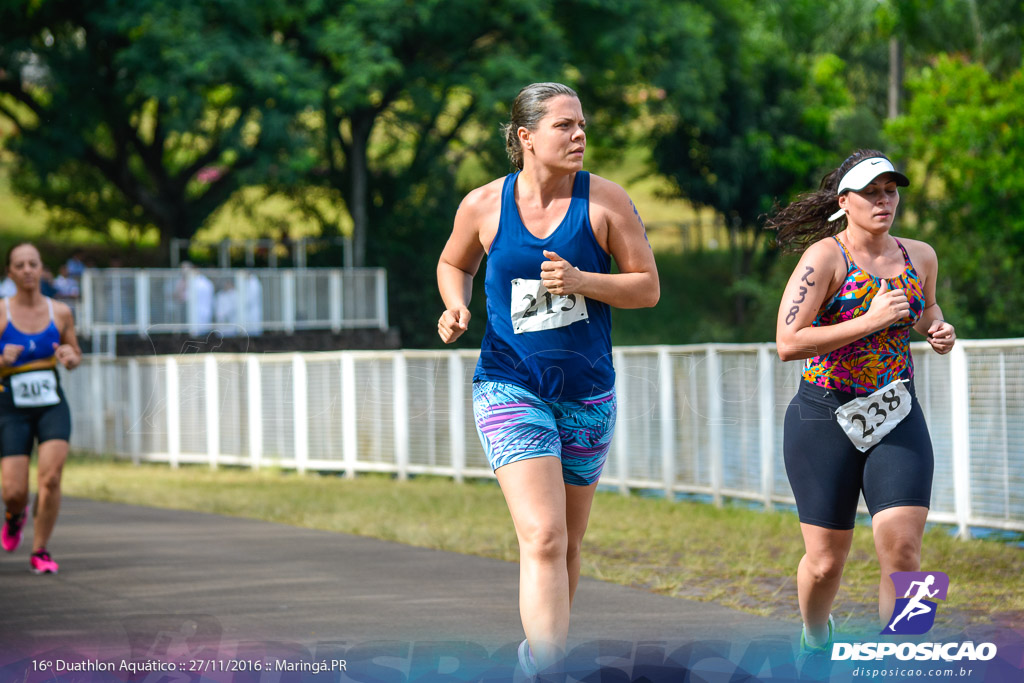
x: 703, y: 420
x: 232, y: 301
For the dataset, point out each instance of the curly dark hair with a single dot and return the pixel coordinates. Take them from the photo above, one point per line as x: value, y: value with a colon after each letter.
x: 806, y: 220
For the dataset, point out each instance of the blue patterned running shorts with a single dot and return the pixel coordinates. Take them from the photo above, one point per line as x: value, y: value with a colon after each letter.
x: 515, y: 424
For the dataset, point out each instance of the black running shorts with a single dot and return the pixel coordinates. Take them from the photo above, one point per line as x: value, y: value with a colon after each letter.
x: 20, y: 428
x: 827, y: 473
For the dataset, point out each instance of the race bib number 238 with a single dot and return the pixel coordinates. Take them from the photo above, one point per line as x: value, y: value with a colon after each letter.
x: 866, y: 420
x: 535, y: 308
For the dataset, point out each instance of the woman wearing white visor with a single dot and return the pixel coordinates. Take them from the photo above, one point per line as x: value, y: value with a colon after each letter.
x: 855, y: 424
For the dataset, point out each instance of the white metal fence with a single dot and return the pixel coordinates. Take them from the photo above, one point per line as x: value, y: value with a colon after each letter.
x: 233, y: 301
x: 692, y: 419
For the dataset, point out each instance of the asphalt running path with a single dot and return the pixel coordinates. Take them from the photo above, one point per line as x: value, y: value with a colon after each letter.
x: 149, y: 585
x: 125, y: 569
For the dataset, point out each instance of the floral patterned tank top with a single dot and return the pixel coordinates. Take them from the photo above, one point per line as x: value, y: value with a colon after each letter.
x: 870, y: 362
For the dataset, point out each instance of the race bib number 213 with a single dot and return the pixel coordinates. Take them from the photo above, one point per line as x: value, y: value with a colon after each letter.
x: 535, y: 308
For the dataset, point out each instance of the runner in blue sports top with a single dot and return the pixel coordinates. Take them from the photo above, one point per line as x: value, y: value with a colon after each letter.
x: 543, y: 391
x: 36, y: 333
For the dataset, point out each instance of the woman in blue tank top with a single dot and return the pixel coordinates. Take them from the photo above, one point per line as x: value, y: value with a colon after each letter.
x: 36, y: 333
x: 544, y: 388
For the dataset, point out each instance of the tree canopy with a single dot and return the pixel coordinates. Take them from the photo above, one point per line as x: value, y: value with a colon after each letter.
x: 150, y: 114
x: 963, y: 132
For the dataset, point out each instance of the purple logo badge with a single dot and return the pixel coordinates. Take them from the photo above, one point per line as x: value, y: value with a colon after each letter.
x: 914, y: 612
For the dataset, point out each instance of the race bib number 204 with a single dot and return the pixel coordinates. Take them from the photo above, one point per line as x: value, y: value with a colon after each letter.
x: 535, y: 308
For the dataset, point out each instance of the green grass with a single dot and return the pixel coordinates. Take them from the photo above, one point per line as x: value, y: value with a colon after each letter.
x: 661, y: 211
x: 664, y: 213
x: 15, y: 216
x: 741, y: 558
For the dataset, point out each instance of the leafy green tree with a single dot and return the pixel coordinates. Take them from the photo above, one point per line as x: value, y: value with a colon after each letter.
x: 768, y: 135
x: 148, y: 113
x: 152, y: 114
x: 963, y: 134
x: 416, y: 93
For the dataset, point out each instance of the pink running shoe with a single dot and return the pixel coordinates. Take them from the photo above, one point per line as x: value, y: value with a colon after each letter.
x: 10, y: 535
x: 42, y: 563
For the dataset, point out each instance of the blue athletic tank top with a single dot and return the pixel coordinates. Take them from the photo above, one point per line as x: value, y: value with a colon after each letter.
x: 38, y: 346
x: 569, y: 362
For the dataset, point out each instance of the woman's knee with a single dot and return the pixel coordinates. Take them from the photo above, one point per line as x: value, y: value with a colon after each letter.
x: 545, y: 542
x: 572, y: 548
x: 49, y: 482
x: 15, y: 497
x: 901, y: 552
x: 825, y: 566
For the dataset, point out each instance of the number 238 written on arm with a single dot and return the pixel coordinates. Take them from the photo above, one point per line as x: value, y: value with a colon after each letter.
x: 791, y: 316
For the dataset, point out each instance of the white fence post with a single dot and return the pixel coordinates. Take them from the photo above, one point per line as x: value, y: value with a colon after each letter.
x: 766, y: 415
x: 99, y: 406
x: 87, y: 291
x: 192, y: 305
x: 382, y: 299
x: 173, y: 412
x: 142, y: 302
x: 254, y: 403
x: 334, y: 299
x: 212, y: 391
x: 349, y: 435
x: 620, y: 439
x: 288, y: 300
x: 457, y: 414
x: 715, y: 424
x: 401, y: 414
x: 242, y: 295
x: 1005, y: 428
x: 136, y: 408
x: 300, y: 416
x: 959, y: 387
x: 666, y: 410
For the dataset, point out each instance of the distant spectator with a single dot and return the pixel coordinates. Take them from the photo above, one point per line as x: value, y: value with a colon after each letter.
x: 253, y: 306
x: 67, y: 287
x: 289, y: 246
x: 226, y: 308
x: 46, y: 285
x: 195, y: 292
x: 75, y: 265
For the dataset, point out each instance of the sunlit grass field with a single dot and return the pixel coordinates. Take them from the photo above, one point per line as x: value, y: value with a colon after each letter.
x: 254, y: 214
x: 734, y: 556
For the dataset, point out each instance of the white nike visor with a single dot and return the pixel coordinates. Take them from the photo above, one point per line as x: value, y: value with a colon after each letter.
x: 861, y: 175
